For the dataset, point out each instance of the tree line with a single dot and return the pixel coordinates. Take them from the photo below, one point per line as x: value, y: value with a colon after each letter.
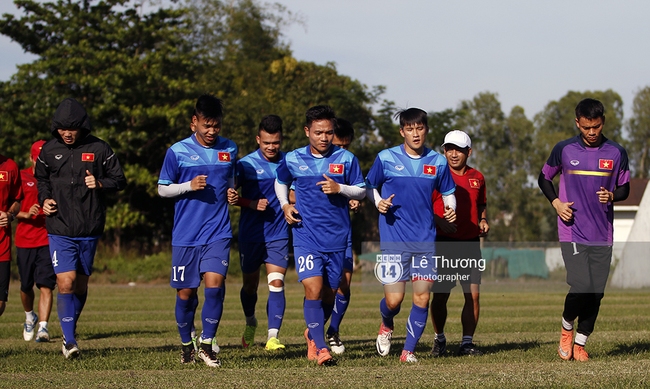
x: 138, y: 74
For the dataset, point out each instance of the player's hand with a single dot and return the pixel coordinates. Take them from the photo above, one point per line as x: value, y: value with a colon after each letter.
x: 385, y: 204
x: 605, y: 196
x: 450, y: 214
x: 91, y: 181
x: 259, y: 205
x: 329, y: 186
x: 290, y: 213
x: 232, y: 195
x: 292, y: 196
x: 34, y: 210
x: 199, y: 182
x: 563, y: 210
x: 4, y: 219
x: 484, y: 227
x: 354, y: 205
x: 49, y: 207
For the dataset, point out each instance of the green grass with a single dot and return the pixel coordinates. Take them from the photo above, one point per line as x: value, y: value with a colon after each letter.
x: 128, y: 339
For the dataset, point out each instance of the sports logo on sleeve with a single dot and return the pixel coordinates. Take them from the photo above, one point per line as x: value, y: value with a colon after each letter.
x: 606, y: 164
x: 224, y: 156
x: 88, y: 157
x: 336, y: 168
x: 429, y: 170
x: 474, y: 183
x: 4, y: 176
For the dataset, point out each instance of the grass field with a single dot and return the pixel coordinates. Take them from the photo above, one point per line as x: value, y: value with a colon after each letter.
x: 128, y: 339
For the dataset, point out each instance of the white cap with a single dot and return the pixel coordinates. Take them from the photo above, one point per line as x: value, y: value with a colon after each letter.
x: 458, y: 138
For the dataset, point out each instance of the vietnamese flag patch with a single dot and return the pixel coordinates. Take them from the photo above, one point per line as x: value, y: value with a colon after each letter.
x: 224, y: 156
x: 336, y: 168
x: 4, y: 176
x: 88, y: 157
x: 474, y: 183
x: 429, y: 170
x: 606, y: 164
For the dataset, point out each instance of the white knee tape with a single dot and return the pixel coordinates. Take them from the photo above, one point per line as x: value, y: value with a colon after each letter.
x: 275, y: 276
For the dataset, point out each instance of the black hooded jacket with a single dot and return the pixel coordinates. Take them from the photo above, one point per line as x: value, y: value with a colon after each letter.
x: 61, y: 172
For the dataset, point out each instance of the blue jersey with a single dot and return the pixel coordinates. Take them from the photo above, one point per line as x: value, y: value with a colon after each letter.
x: 200, y: 217
x: 583, y: 170
x: 256, y: 176
x: 325, y: 218
x: 409, y: 223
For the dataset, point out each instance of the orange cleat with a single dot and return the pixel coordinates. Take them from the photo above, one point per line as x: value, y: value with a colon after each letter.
x: 579, y: 353
x: 325, y: 358
x: 566, y: 344
x: 312, y: 351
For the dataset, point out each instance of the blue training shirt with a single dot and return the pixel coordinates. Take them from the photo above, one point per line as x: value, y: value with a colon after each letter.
x: 409, y: 223
x: 200, y: 217
x: 325, y: 218
x: 256, y: 176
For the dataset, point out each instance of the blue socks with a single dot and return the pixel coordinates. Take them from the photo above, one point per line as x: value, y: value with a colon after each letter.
x: 184, y: 311
x: 65, y: 308
x: 314, y: 318
x: 340, y: 306
x: 275, y: 309
x: 386, y: 314
x: 415, y: 325
x: 212, y: 311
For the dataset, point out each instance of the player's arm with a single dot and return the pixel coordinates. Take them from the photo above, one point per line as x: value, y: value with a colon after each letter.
x: 174, y: 190
x: 290, y: 211
x: 483, y: 224
x: 113, y: 179
x: 382, y: 205
x: 563, y: 209
x: 450, y: 207
x: 7, y: 217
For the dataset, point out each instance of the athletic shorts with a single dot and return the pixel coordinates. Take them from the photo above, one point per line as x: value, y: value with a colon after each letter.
x: 312, y: 263
x: 73, y: 254
x: 253, y: 255
x: 348, y: 260
x: 587, y: 267
x: 190, y: 263
x: 457, y: 260
x: 5, y: 274
x: 35, y: 267
x: 396, y: 266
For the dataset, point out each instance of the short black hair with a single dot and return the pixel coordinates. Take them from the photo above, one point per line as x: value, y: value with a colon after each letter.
x: 412, y: 116
x: 590, y: 109
x: 343, y: 129
x: 271, y: 124
x: 320, y: 112
x: 208, y: 106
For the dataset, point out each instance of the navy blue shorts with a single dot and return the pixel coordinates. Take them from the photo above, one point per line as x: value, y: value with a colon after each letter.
x: 73, y: 254
x: 253, y: 255
x: 190, y: 263
x: 313, y: 263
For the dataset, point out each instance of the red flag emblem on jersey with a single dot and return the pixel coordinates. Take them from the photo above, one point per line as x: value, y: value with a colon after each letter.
x: 88, y: 157
x: 474, y: 183
x: 224, y: 156
x: 4, y: 176
x: 429, y: 170
x: 607, y: 164
x: 336, y: 168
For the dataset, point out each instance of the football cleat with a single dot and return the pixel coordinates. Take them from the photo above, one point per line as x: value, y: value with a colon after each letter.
x: 383, y: 340
x: 28, y: 328
x: 439, y: 348
x: 312, y: 351
x: 273, y: 344
x: 469, y: 349
x: 566, y: 344
x: 42, y: 336
x: 325, y: 358
x: 579, y: 353
x: 70, y: 350
x: 207, y: 355
x: 335, y: 343
x: 407, y: 356
x: 249, y: 336
x: 188, y: 353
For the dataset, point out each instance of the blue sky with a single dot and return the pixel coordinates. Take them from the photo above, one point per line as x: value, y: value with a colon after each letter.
x: 433, y: 54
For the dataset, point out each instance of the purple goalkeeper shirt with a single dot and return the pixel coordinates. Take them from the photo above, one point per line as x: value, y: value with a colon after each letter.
x: 583, y: 170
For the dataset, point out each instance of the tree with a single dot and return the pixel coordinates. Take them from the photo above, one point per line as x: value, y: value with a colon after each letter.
x: 135, y: 75
x: 639, y: 134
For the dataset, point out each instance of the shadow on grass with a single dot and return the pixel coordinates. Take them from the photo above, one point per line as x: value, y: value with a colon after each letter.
x: 630, y: 348
x: 116, y: 334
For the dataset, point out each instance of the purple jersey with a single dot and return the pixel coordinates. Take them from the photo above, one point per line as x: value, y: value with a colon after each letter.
x: 583, y: 170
